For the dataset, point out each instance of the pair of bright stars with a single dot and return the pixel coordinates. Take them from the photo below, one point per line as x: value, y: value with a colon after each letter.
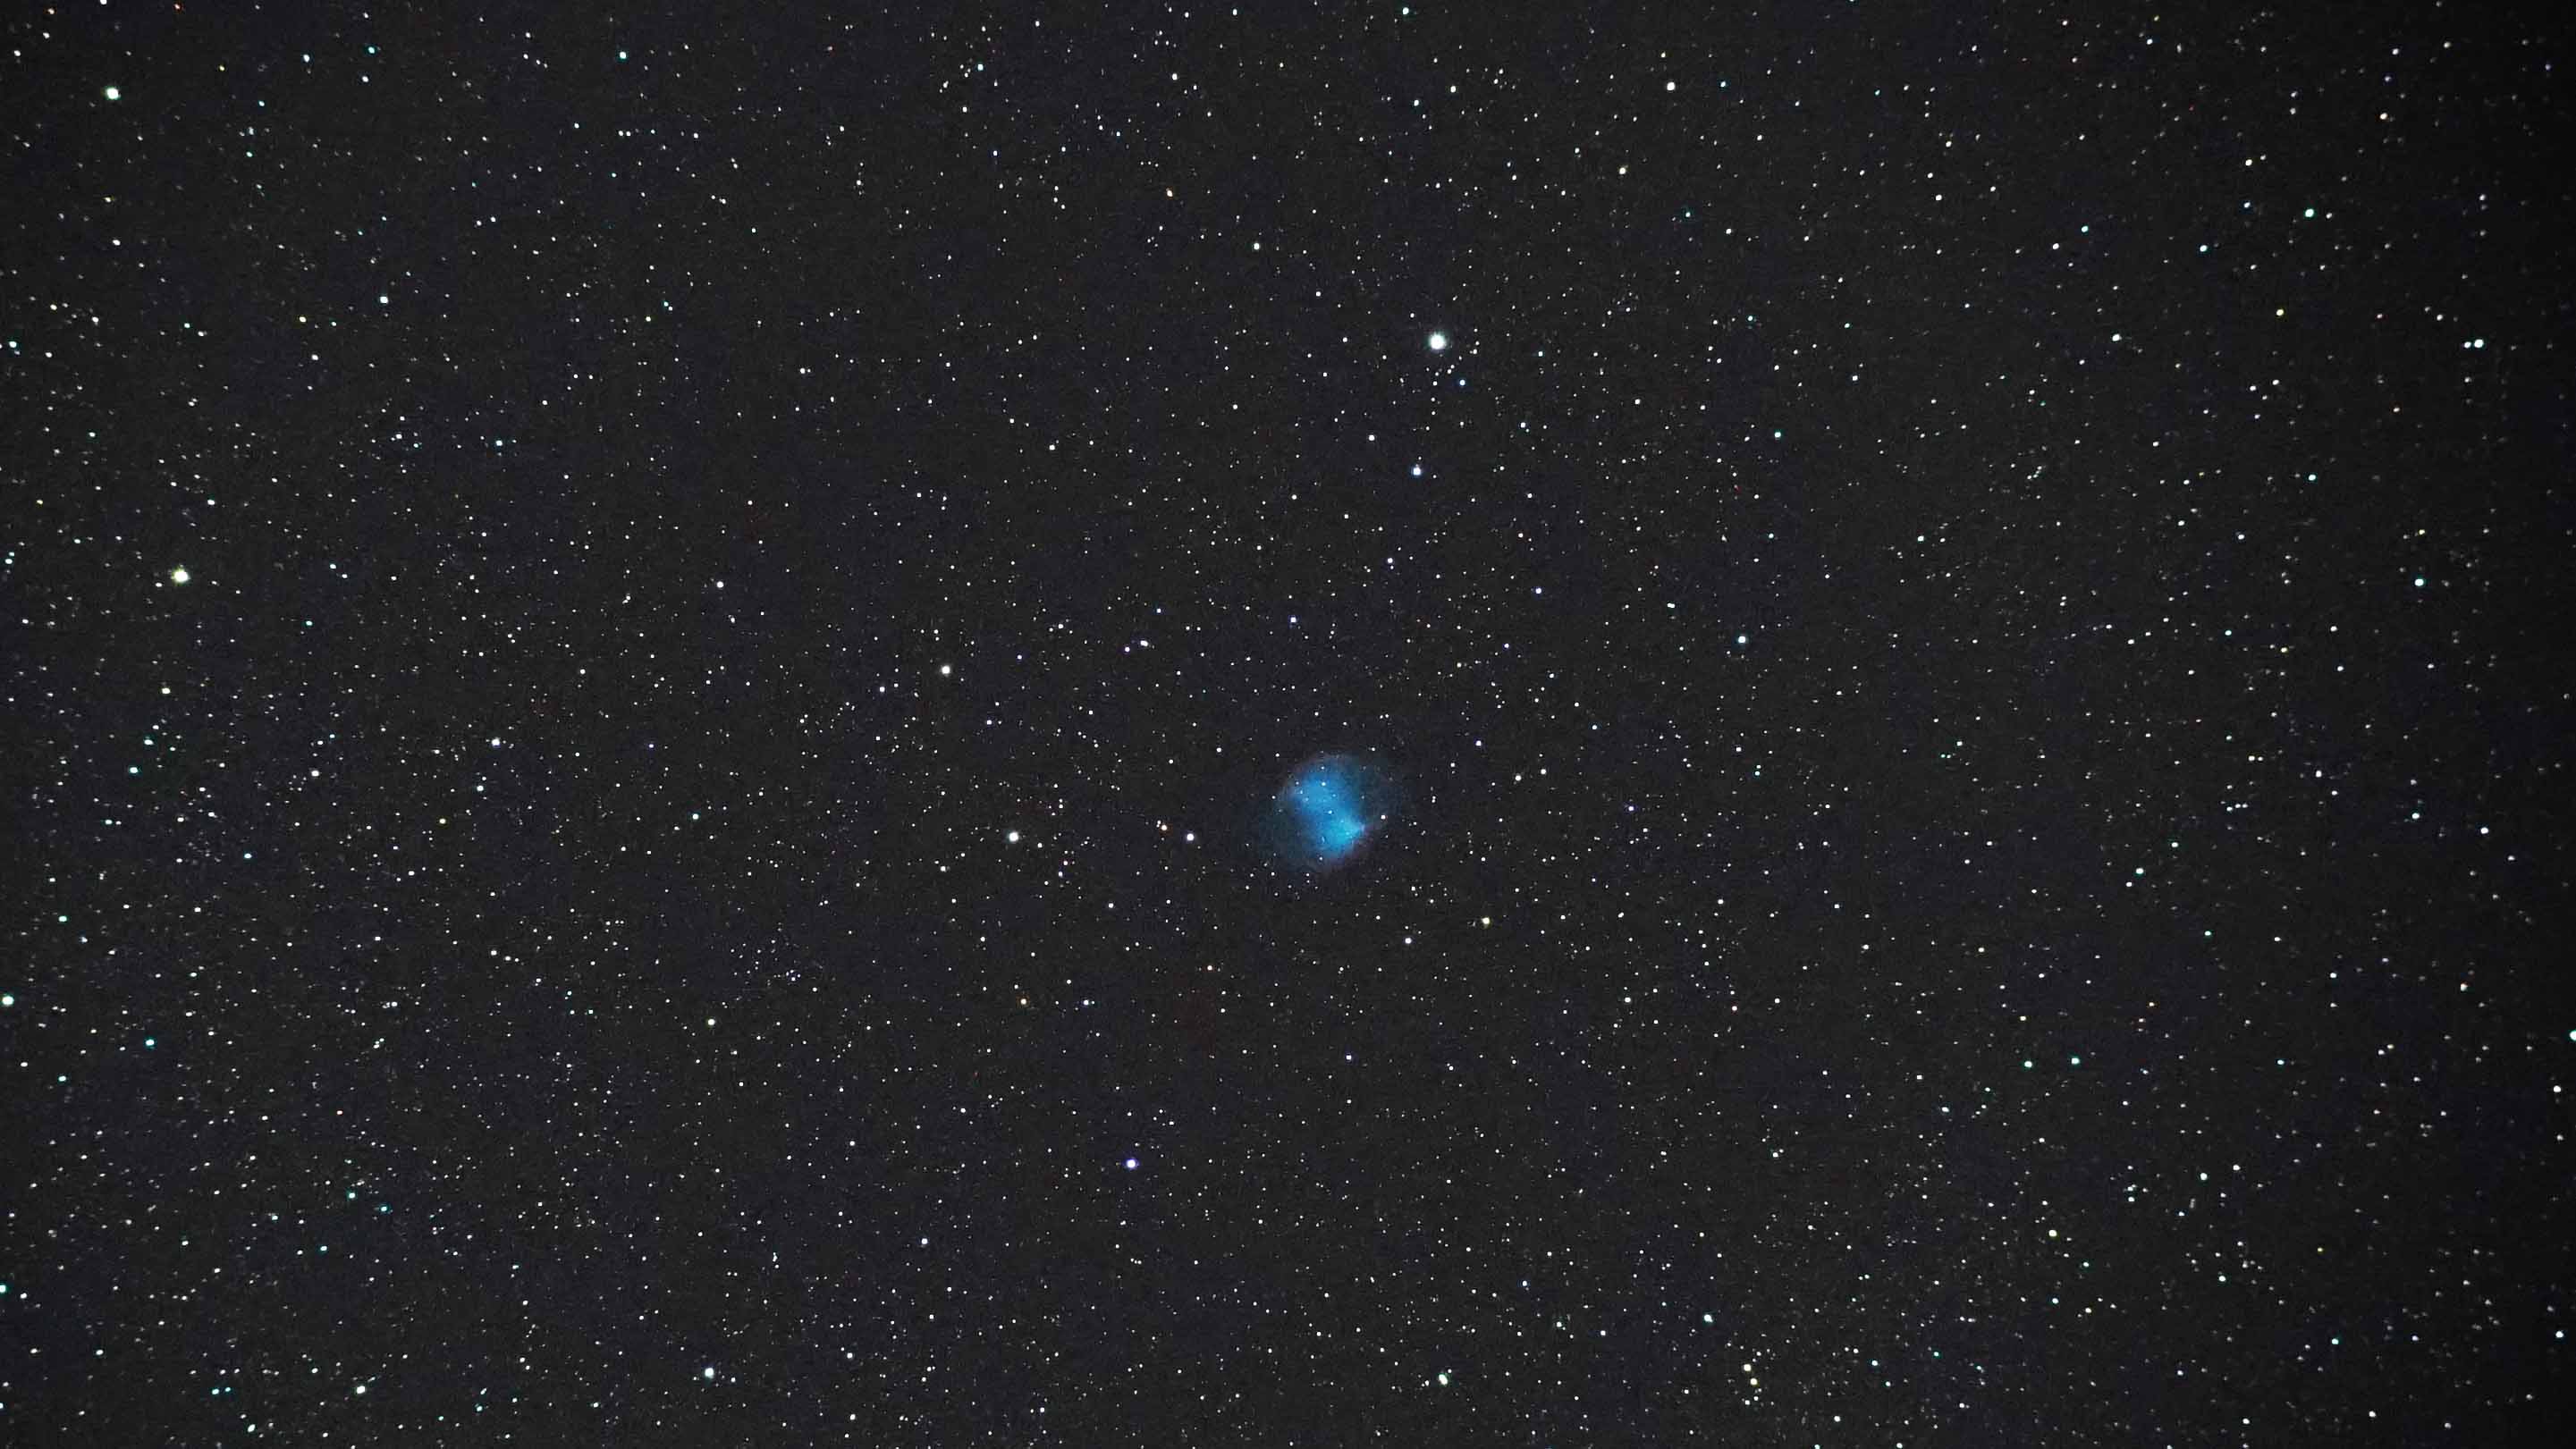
x: 1439, y: 342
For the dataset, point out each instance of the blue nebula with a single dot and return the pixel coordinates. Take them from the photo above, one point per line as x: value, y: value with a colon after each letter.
x: 1331, y: 806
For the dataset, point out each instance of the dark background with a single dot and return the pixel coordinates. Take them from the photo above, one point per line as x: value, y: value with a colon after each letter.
x: 1974, y: 657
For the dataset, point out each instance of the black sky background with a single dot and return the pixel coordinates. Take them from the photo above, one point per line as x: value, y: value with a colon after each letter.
x: 1968, y: 620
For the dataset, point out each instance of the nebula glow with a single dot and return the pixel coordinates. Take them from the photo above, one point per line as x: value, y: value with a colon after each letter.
x: 1329, y: 808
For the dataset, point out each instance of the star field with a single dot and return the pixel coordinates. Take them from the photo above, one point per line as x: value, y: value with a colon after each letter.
x: 656, y: 662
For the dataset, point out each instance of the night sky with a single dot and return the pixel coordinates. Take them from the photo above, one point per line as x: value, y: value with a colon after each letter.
x: 663, y: 672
